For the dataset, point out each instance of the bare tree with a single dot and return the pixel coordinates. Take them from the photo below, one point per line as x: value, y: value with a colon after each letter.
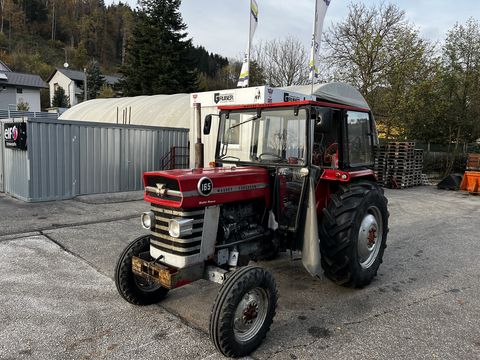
x: 379, y: 52
x: 284, y: 61
x: 366, y: 44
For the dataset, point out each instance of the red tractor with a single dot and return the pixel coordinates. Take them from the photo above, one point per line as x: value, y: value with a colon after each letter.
x: 288, y: 176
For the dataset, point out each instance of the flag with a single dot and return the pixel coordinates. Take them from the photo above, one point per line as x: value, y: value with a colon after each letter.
x: 320, y: 12
x: 245, y: 72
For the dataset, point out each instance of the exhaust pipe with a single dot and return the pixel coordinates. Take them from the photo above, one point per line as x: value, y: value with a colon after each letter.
x: 199, y: 162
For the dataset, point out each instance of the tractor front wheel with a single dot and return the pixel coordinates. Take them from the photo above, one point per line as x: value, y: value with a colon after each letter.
x: 353, y: 234
x: 133, y: 288
x: 243, y: 311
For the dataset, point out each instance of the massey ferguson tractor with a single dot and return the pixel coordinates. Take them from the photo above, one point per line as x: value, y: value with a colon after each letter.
x: 287, y: 176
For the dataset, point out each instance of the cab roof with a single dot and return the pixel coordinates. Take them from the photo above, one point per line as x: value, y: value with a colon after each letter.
x: 334, y: 92
x: 292, y: 104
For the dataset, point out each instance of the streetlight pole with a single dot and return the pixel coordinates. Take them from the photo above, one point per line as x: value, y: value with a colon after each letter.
x: 85, y: 89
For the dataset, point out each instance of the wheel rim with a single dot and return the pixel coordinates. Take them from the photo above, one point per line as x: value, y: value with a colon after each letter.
x: 370, y: 236
x: 145, y: 285
x: 250, y: 314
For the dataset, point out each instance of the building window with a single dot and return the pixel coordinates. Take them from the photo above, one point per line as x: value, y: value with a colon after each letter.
x: 19, y: 91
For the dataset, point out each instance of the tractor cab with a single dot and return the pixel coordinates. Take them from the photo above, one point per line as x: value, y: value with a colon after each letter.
x: 328, y: 143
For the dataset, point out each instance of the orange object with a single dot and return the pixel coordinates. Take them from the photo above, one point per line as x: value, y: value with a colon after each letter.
x: 471, y: 182
x: 473, y: 162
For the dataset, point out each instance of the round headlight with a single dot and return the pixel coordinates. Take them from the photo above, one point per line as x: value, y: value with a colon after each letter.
x: 180, y: 227
x: 148, y: 219
x: 174, y: 228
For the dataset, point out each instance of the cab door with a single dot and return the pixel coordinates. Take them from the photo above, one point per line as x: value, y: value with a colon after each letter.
x: 292, y: 181
x: 290, y: 196
x: 359, y: 139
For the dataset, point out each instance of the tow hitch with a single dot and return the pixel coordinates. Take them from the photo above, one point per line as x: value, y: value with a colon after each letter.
x: 167, y: 276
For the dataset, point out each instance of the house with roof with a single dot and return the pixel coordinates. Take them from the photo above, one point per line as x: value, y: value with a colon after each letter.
x: 19, y: 88
x: 72, y: 82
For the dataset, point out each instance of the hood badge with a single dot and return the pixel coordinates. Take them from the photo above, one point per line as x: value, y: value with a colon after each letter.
x: 161, y: 189
x: 205, y: 186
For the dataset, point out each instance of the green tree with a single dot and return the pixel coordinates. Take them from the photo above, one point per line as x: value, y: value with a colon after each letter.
x: 426, y: 106
x: 23, y: 106
x: 461, y: 61
x: 209, y: 68
x: 60, y: 99
x: 95, y: 79
x: 106, y: 92
x: 79, y: 56
x: 157, y: 59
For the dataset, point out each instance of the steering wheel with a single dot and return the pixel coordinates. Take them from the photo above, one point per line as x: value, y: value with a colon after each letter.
x: 275, y: 156
x: 329, y: 152
x: 357, y: 144
x: 292, y: 160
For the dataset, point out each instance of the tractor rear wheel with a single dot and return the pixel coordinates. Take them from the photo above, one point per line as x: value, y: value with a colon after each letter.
x: 243, y: 311
x: 353, y: 234
x: 133, y: 288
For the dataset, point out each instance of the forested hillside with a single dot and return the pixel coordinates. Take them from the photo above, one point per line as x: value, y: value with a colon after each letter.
x: 38, y: 35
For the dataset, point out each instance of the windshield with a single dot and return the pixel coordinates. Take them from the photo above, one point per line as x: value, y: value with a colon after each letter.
x: 277, y: 136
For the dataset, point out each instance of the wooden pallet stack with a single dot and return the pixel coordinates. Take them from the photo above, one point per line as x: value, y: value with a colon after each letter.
x: 399, y: 165
x: 473, y: 162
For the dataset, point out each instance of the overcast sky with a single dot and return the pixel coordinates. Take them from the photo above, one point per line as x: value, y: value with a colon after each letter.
x: 221, y: 26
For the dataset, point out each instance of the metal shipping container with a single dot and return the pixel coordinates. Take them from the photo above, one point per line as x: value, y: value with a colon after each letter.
x: 69, y: 158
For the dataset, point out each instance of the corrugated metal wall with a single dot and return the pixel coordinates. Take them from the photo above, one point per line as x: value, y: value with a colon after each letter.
x: 16, y: 173
x: 1, y: 156
x: 70, y: 158
x: 15, y: 167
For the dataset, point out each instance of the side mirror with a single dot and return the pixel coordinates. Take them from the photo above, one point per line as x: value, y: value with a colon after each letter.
x: 324, y: 121
x: 207, y: 125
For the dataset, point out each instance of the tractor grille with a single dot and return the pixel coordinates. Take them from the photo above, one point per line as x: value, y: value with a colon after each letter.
x: 185, y: 246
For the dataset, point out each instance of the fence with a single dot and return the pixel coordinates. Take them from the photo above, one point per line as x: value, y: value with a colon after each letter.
x: 177, y: 158
x: 12, y: 114
x: 69, y: 158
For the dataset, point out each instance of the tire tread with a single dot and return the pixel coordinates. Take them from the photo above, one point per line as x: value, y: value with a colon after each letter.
x: 337, y: 237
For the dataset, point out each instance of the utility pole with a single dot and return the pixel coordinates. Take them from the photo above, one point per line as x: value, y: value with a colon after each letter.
x: 85, y: 88
x: 54, y: 25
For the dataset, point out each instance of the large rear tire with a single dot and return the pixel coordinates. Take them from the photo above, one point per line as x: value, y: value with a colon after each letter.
x: 353, y: 234
x: 135, y: 289
x: 243, y: 311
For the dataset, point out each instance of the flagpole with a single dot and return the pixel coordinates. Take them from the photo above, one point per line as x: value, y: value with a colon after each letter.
x: 313, y: 44
x: 244, y: 80
x: 249, y: 44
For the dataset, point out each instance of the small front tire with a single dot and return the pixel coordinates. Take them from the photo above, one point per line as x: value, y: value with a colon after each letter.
x: 133, y: 288
x: 243, y: 311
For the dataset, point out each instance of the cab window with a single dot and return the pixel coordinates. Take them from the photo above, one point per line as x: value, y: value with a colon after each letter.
x: 359, y: 139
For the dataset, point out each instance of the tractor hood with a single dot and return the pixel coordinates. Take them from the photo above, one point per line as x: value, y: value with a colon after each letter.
x: 206, y: 187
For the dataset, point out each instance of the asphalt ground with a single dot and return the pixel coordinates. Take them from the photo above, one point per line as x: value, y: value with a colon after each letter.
x: 58, y: 299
